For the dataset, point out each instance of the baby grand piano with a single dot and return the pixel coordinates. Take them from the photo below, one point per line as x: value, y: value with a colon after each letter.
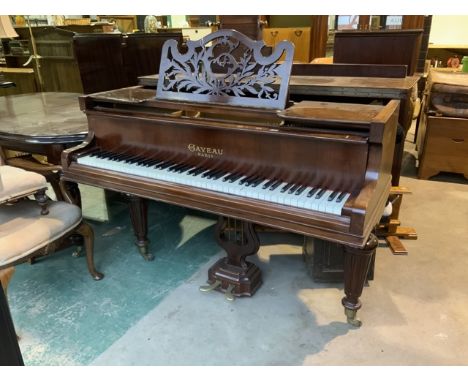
x: 220, y: 136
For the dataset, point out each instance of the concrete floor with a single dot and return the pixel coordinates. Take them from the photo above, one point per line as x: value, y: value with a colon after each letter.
x: 414, y: 311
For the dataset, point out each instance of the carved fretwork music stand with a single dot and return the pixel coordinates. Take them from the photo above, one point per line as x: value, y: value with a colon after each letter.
x: 227, y: 67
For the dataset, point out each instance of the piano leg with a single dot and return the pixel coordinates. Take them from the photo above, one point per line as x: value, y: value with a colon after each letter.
x: 139, y: 217
x: 356, y: 266
x: 233, y: 274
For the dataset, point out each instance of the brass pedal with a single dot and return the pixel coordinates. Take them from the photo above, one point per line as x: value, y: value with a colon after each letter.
x: 210, y: 287
x: 228, y: 294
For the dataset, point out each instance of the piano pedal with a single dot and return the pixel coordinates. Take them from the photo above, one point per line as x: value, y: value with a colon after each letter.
x: 210, y: 287
x: 228, y: 294
x: 351, y: 318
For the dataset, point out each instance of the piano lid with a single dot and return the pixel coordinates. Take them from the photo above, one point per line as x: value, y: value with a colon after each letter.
x: 226, y: 67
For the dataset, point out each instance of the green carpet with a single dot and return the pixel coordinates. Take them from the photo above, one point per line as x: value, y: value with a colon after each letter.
x: 64, y: 317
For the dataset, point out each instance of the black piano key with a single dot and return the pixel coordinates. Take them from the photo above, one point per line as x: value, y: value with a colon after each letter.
x: 294, y: 188
x: 134, y: 159
x: 250, y: 180
x: 286, y: 188
x: 146, y: 162
x: 192, y: 170
x: 184, y: 168
x: 166, y: 165
x: 320, y: 193
x: 340, y: 197
x: 175, y: 167
x: 269, y: 183
x: 151, y: 162
x: 104, y: 154
x: 207, y: 173
x: 230, y: 176
x: 116, y: 156
x: 275, y: 185
x: 200, y: 171
x: 215, y: 173
x: 244, y: 179
x: 300, y: 190
x: 218, y: 175
x: 332, y: 196
x: 259, y: 180
x: 312, y: 192
x: 235, y: 177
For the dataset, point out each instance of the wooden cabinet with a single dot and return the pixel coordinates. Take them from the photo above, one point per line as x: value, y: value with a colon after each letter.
x: 57, y: 69
x: 300, y: 37
x: 443, y: 146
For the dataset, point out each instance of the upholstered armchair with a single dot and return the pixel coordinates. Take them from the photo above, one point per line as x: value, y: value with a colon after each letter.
x: 31, y: 228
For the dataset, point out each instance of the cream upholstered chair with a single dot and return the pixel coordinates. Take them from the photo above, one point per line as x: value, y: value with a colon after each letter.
x: 30, y: 228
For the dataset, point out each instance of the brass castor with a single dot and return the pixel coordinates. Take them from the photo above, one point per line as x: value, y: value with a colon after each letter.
x: 144, y: 252
x: 351, y: 317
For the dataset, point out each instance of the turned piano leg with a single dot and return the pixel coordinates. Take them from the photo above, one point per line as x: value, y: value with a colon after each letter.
x: 139, y: 218
x: 356, y: 266
x: 232, y: 274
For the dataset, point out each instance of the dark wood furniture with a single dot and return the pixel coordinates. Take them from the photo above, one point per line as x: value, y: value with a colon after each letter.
x: 111, y: 60
x: 100, y: 61
x: 45, y: 124
x: 142, y: 53
x: 398, y: 47
x: 212, y: 132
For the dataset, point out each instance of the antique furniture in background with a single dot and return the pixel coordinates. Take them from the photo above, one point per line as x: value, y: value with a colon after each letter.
x: 442, y: 140
x: 43, y: 124
x: 387, y: 47
x: 23, y: 78
x: 300, y: 37
x: 125, y: 23
x: 112, y: 60
x: 214, y: 137
x: 56, y: 68
x: 100, y: 61
x: 249, y: 25
x: 142, y: 53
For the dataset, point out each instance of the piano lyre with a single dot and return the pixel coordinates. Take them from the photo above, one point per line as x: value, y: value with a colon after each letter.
x: 220, y: 136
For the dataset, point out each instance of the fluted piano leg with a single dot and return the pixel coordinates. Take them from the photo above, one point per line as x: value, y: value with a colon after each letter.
x: 232, y: 274
x: 139, y: 217
x: 356, y: 266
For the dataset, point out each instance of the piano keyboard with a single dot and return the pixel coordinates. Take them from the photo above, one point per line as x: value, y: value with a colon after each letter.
x: 255, y: 187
